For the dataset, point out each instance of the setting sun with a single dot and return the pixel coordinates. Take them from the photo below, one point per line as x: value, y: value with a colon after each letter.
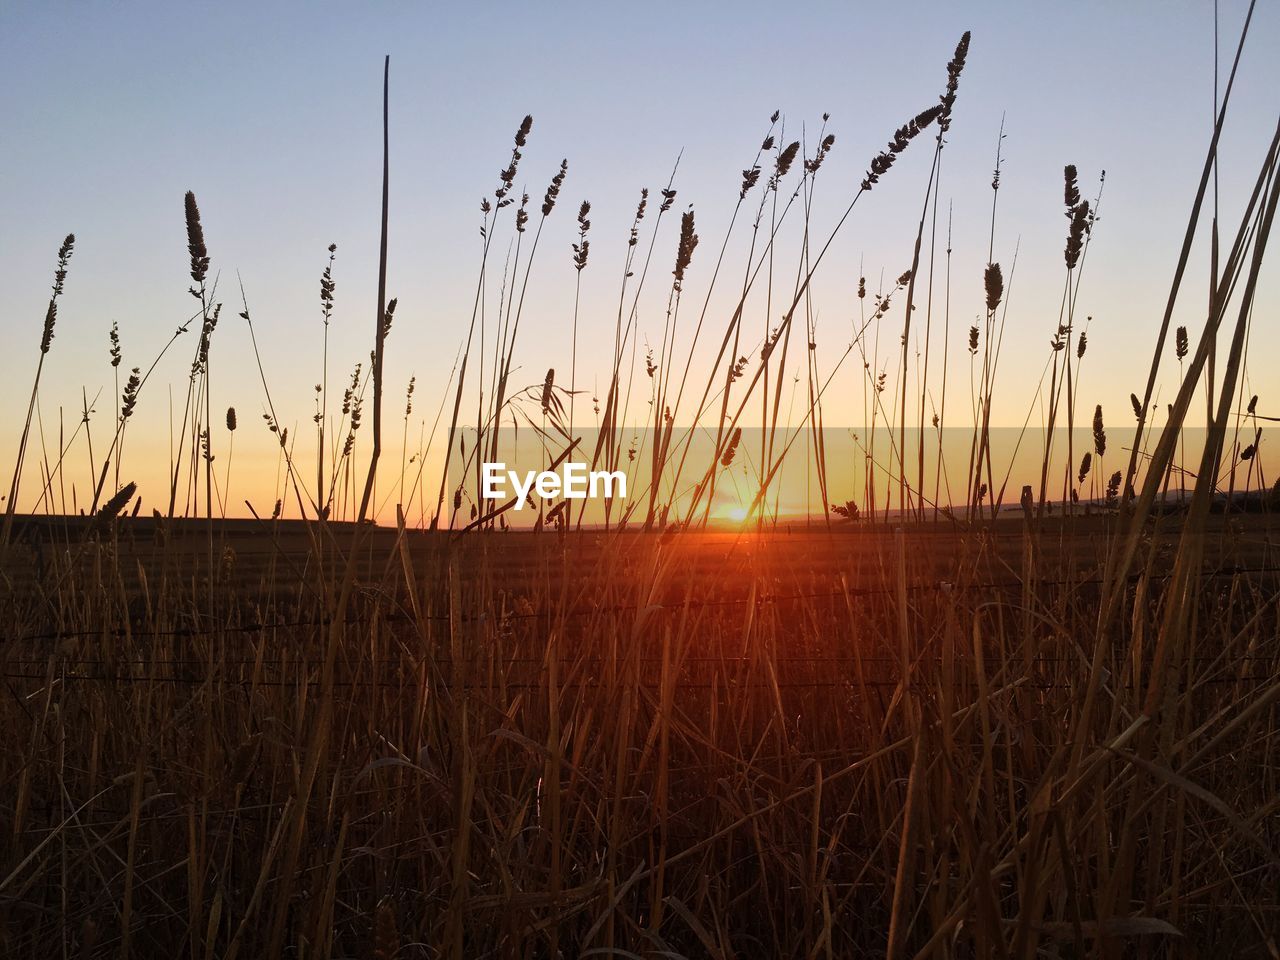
x: 581, y: 480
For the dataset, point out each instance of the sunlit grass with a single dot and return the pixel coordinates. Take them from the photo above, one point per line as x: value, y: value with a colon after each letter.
x: 972, y: 725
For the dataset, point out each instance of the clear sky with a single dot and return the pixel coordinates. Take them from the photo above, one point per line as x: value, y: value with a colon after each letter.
x: 271, y: 114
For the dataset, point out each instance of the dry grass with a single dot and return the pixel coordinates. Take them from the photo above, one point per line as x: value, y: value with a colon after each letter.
x: 715, y: 745
x: 1042, y: 733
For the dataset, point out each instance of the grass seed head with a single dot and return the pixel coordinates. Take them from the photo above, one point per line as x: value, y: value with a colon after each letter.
x: 328, y: 286
x: 994, y: 282
x: 130, y: 397
x: 782, y: 166
x: 954, y: 69
x: 548, y: 385
x: 553, y: 189
x: 731, y: 451
x: 684, y: 251
x: 195, y: 241
x: 582, y: 248
x: 1076, y: 234
x: 59, y: 281
x: 1071, y: 188
x: 111, y: 509
x: 1113, y: 488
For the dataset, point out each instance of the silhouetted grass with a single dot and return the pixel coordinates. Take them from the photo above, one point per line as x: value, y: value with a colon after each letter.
x: 1046, y: 732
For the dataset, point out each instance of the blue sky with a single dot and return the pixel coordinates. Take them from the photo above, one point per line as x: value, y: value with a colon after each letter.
x: 270, y: 113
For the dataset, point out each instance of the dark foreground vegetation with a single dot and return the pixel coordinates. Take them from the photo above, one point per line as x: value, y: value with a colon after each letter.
x: 958, y: 723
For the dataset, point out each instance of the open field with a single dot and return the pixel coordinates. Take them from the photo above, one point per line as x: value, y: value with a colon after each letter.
x: 254, y: 555
x: 709, y: 744
x: 1010, y: 690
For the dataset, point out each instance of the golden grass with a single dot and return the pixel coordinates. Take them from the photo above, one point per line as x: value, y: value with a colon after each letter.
x: 1049, y: 733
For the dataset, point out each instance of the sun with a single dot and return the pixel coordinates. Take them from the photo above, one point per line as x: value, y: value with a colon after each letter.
x: 730, y: 512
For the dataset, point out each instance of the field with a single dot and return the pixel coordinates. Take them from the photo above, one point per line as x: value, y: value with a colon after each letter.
x: 803, y: 744
x: 955, y: 704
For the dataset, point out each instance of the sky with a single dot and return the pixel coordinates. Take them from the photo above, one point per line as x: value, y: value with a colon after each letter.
x: 271, y: 114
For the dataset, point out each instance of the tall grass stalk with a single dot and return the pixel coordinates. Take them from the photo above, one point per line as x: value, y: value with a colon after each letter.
x: 46, y: 339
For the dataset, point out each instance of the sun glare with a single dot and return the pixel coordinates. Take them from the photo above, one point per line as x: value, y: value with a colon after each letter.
x: 790, y: 622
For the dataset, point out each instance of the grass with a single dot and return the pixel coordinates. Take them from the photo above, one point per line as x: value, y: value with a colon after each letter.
x: 940, y: 726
